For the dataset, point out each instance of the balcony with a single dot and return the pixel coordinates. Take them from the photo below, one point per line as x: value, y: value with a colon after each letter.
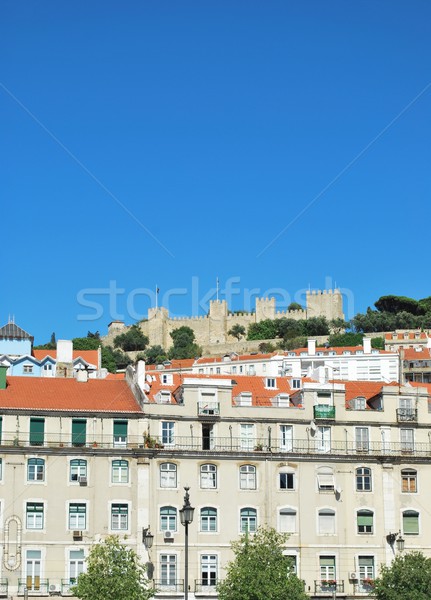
x: 169, y: 586
x: 323, y: 411
x: 329, y: 587
x: 66, y: 585
x: 3, y: 586
x: 206, y: 587
x: 209, y: 410
x: 407, y: 415
x: 35, y: 585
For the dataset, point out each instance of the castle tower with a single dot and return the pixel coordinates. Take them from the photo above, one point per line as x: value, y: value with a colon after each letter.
x: 326, y: 303
x: 217, y: 321
x: 265, y: 309
x: 156, y: 327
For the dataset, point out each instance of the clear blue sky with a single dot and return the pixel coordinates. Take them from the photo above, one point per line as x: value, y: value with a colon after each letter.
x: 173, y: 142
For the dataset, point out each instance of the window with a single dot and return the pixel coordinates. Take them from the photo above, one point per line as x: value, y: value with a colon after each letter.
x: 362, y: 439
x: 167, y: 378
x: 366, y: 571
x: 323, y: 439
x: 78, y: 468
x: 288, y: 520
x: 407, y: 440
x: 327, y: 568
x: 120, y: 434
x: 246, y: 433
x: 34, y: 515
x: 32, y: 570
x: 410, y: 522
x: 326, y: 521
x: 119, y: 517
x: 286, y: 438
x: 27, y: 369
x: 167, y: 432
x: 208, y: 476
x: 36, y: 469
x: 359, y: 403
x: 248, y: 519
x: 77, y: 516
x: 286, y: 480
x: 325, y: 479
x: 409, y: 481
x: 296, y: 384
x: 79, y: 432
x: 168, y: 475
x: 209, y: 570
x: 271, y: 382
x: 365, y: 521
x: 168, y: 570
x: 37, y: 429
x: 292, y: 563
x: 363, y: 479
x: 168, y: 518
x: 120, y: 471
x: 76, y: 565
x: 247, y: 477
x: 208, y: 519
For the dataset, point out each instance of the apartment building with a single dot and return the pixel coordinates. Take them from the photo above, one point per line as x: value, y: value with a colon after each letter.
x: 341, y: 466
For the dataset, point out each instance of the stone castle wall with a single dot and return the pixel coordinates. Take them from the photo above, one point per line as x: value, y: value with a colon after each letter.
x: 212, y: 329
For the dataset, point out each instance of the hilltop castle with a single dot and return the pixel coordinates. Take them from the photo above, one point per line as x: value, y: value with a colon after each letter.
x: 212, y: 330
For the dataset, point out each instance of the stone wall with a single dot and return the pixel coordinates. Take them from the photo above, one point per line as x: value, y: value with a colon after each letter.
x: 211, y: 331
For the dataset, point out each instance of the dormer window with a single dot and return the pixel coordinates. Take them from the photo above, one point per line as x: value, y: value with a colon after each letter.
x: 166, y: 378
x: 346, y: 352
x: 27, y: 369
x: 282, y: 401
x: 296, y: 384
x: 244, y: 399
x: 358, y: 403
x: 271, y: 383
x: 164, y: 396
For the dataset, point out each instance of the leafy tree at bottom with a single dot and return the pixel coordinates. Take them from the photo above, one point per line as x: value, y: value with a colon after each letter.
x: 113, y: 573
x: 407, y: 578
x: 260, y: 570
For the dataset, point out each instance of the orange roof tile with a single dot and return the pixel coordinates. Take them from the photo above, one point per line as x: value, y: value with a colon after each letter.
x: 413, y: 354
x: 90, y: 356
x: 52, y: 394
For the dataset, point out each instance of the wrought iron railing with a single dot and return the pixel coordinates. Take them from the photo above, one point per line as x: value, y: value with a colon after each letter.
x: 310, y: 445
x: 324, y: 412
x: 169, y: 585
x: 3, y: 586
x: 34, y: 585
x: 409, y: 415
x: 328, y: 587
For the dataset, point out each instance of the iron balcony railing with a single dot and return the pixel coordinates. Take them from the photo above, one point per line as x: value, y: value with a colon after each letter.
x: 198, y: 443
x: 328, y: 587
x: 324, y: 412
x: 407, y: 414
x: 208, y: 409
x: 206, y: 585
x: 169, y: 585
x: 34, y: 585
x: 66, y: 585
x: 3, y: 586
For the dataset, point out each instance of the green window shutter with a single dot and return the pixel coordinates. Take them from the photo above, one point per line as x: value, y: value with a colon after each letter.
x: 120, y: 429
x: 411, y: 522
x: 37, y: 431
x: 327, y: 561
x: 366, y: 561
x: 79, y: 429
x: 365, y: 518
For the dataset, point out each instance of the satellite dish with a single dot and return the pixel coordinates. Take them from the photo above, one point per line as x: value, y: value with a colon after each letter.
x: 313, y: 426
x: 149, y: 379
x: 146, y: 387
x: 338, y: 490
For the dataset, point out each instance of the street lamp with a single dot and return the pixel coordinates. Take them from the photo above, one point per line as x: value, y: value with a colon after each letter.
x: 391, y: 538
x: 147, y: 540
x: 186, y: 516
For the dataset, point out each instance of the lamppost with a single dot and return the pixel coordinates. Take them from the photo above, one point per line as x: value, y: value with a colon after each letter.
x: 147, y: 540
x: 186, y: 516
x: 391, y: 538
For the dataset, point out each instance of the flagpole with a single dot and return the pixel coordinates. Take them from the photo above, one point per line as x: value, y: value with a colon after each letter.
x: 157, y: 296
x: 217, y: 284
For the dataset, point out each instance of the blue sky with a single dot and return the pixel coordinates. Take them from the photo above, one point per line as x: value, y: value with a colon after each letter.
x: 275, y: 145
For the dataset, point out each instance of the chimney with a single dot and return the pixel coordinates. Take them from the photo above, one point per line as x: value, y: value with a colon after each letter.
x: 140, y: 373
x: 3, y: 371
x: 311, y: 347
x: 82, y: 375
x: 64, y: 351
x: 367, y: 345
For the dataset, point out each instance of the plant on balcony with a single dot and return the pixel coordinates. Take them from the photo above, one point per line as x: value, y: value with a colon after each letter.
x: 259, y: 447
x: 368, y: 582
x: 328, y: 582
x: 149, y: 441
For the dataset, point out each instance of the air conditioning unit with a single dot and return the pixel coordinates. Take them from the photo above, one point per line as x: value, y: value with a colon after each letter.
x: 168, y: 536
x: 353, y: 575
x: 82, y: 480
x: 77, y: 535
x: 54, y: 590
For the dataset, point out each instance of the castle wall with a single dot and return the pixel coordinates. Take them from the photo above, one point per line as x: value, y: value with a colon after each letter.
x: 212, y: 329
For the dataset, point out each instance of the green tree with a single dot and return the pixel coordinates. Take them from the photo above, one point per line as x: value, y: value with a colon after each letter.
x: 184, y: 345
x: 289, y: 328
x: 407, y: 578
x: 237, y: 331
x: 155, y: 355
x: 316, y: 326
x: 396, y: 304
x: 294, y: 306
x: 113, y: 573
x: 85, y: 343
x: 264, y: 330
x: 51, y: 345
x: 114, y: 359
x: 345, y: 339
x: 131, y: 340
x: 338, y: 325
x: 260, y: 570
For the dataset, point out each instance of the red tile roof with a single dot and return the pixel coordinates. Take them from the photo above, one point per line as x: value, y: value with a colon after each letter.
x: 412, y: 354
x: 366, y: 389
x: 52, y: 394
x: 408, y: 335
x: 90, y: 356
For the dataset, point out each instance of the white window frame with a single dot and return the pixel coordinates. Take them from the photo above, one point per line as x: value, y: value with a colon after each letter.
x: 248, y: 522
x: 167, y: 429
x: 168, y: 520
x: 209, y: 522
x: 168, y: 571
x: 34, y: 519
x: 120, y: 471
x: 168, y: 475
x: 289, y: 476
x: 326, y: 521
x: 287, y: 517
x: 286, y: 438
x: 120, y: 518
x: 77, y: 520
x: 208, y: 476
x: 325, y: 479
x: 247, y: 477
